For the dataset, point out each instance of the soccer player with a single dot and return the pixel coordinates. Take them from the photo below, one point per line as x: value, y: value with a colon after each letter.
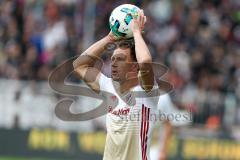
x: 129, y: 124
x: 171, y: 117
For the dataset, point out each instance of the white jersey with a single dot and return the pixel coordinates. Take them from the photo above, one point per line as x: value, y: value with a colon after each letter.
x: 129, y: 125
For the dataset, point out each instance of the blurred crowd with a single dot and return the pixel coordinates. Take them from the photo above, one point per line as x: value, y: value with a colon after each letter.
x: 197, y: 40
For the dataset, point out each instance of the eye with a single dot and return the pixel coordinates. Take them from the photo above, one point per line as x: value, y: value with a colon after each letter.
x: 121, y: 58
x: 118, y: 58
x: 112, y: 59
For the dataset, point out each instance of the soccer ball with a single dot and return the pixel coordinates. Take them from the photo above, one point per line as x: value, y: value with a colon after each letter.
x: 120, y: 19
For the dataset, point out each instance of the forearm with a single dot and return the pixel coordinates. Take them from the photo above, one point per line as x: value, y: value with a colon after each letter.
x: 93, y: 52
x: 142, y: 52
x: 144, y: 60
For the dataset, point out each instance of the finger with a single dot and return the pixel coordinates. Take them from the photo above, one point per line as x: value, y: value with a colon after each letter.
x: 145, y: 19
x: 142, y: 19
x: 132, y: 22
x: 139, y: 15
x: 143, y: 12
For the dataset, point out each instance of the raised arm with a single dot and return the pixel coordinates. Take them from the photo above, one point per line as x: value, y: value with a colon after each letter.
x: 83, y: 65
x: 143, y: 55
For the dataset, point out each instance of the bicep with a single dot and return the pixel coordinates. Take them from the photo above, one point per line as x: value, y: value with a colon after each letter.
x: 90, y: 76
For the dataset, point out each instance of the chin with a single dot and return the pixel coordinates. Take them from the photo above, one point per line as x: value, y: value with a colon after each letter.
x: 115, y: 78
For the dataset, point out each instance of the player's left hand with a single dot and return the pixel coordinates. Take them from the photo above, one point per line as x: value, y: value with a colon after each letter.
x: 137, y: 24
x: 112, y: 37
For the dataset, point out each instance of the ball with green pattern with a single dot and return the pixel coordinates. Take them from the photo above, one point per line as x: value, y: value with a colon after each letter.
x: 120, y: 19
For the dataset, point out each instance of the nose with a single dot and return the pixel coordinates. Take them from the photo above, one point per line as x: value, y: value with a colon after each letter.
x: 114, y: 62
x: 114, y: 66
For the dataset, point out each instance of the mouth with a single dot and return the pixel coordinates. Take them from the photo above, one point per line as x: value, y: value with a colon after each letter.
x: 114, y: 72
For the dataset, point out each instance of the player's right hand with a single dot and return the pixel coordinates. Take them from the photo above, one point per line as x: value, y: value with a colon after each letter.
x: 112, y: 37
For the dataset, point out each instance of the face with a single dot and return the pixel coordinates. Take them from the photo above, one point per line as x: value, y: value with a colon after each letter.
x: 121, y: 64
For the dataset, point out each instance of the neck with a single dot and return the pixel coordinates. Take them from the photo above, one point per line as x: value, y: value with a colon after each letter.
x: 125, y: 86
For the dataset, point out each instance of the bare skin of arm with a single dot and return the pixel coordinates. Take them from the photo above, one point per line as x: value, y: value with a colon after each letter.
x: 143, y: 55
x: 83, y: 65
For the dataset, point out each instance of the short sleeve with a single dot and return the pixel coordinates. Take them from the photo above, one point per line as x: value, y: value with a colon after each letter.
x: 104, y: 81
